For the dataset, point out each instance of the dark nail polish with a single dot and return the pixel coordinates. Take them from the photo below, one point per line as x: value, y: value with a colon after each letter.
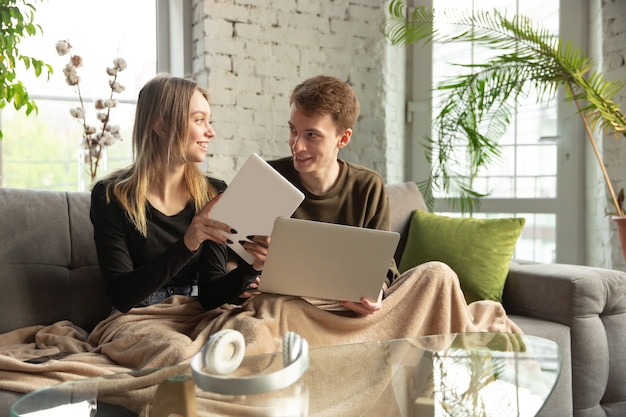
x: 230, y: 242
x: 233, y: 231
x: 241, y: 242
x: 250, y: 237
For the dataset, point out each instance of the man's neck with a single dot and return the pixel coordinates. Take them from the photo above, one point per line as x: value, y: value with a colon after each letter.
x: 320, y: 183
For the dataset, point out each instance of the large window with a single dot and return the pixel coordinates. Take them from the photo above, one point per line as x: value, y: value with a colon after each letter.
x: 40, y: 151
x: 538, y: 158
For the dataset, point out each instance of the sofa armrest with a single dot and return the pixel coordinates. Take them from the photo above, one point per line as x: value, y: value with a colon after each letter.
x: 592, y: 302
x: 563, y: 292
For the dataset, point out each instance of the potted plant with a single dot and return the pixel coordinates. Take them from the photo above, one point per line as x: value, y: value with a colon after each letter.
x: 477, y: 105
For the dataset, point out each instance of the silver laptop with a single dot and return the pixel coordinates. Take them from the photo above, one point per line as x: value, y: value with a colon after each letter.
x: 254, y: 198
x: 325, y: 260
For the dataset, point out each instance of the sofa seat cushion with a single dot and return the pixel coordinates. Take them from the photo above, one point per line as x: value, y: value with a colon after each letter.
x: 478, y: 250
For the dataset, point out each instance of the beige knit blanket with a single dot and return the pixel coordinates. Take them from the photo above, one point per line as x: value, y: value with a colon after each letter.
x: 426, y: 300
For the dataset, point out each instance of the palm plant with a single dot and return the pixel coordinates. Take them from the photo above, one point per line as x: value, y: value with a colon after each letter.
x: 478, y: 106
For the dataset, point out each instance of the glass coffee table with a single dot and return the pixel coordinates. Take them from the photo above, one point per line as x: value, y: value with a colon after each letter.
x: 464, y: 374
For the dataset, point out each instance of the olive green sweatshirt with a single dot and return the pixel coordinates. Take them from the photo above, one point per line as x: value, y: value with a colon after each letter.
x: 358, y: 198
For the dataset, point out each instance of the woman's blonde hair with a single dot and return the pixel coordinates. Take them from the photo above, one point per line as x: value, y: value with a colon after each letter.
x: 163, y: 107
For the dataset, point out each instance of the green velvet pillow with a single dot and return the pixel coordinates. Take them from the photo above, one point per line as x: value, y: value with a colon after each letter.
x: 478, y: 250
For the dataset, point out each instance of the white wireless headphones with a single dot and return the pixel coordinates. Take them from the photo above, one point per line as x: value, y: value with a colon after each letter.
x: 223, y: 353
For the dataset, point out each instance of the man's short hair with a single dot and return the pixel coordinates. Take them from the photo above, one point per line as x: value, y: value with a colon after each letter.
x: 327, y: 95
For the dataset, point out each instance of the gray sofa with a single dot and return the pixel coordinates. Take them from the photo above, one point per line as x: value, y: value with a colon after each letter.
x: 49, y: 272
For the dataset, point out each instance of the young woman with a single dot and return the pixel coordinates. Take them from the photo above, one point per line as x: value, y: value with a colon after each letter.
x: 152, y: 220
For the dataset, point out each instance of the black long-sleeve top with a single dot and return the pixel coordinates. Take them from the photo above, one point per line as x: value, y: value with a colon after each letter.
x: 134, y: 266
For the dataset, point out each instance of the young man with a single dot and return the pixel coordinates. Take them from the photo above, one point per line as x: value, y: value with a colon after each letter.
x: 323, y: 113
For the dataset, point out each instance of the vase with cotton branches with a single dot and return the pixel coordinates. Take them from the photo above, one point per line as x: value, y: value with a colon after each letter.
x: 92, y: 149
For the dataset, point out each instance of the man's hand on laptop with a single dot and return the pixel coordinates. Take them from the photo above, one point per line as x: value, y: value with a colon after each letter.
x: 366, y: 306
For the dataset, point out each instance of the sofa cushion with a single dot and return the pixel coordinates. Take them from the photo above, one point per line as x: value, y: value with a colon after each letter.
x: 404, y: 198
x: 478, y: 250
x: 48, y: 260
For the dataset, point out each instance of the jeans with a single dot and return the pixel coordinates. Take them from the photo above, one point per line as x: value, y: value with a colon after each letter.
x: 162, y: 294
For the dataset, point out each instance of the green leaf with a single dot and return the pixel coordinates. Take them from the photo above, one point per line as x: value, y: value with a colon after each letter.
x: 17, y: 19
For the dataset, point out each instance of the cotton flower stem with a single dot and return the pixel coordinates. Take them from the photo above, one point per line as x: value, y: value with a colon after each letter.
x: 87, y: 139
x: 96, y: 158
x: 94, y: 162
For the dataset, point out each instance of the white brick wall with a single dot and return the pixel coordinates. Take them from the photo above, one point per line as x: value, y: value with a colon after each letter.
x: 598, y: 245
x: 607, y: 49
x: 252, y: 53
x: 614, y: 68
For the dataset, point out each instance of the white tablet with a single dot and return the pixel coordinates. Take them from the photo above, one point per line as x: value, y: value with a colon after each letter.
x: 253, y: 200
